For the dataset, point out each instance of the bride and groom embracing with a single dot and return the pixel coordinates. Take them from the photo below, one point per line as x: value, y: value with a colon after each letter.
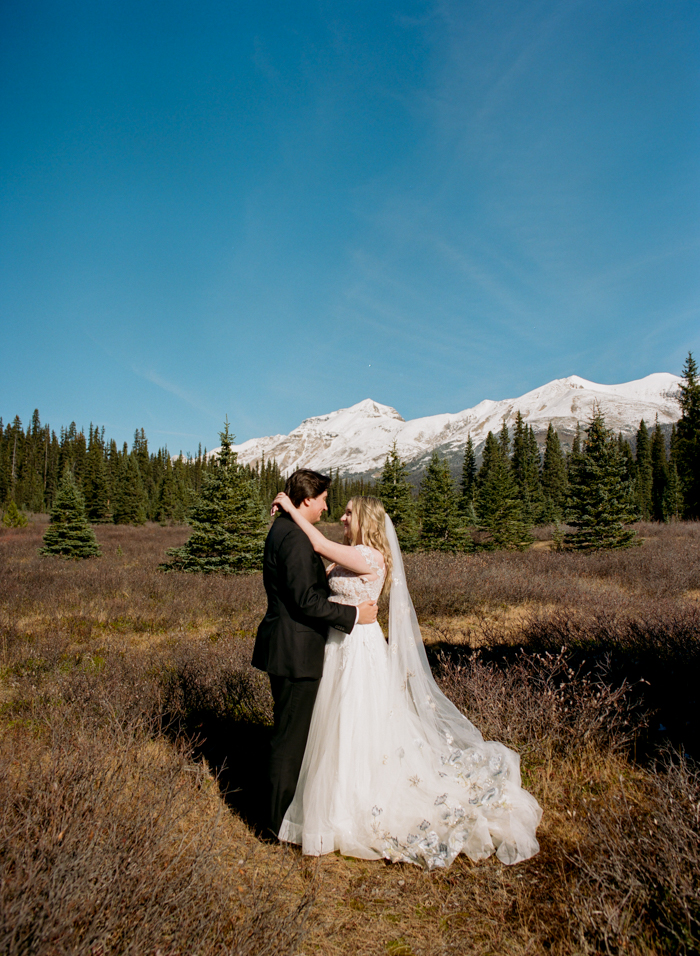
x: 368, y: 756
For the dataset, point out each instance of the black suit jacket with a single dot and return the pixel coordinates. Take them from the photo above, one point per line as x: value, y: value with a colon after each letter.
x: 292, y: 635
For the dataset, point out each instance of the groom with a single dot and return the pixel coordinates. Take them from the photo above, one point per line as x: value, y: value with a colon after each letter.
x: 292, y: 635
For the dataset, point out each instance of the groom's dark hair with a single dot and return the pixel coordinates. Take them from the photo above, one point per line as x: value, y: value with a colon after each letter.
x: 304, y: 483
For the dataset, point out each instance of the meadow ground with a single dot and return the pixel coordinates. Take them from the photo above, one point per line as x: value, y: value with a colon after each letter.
x: 133, y: 732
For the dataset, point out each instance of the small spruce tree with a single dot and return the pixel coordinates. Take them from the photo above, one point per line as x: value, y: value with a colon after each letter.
x: 468, y: 484
x: 600, y: 504
x: 555, y: 483
x: 130, y: 501
x: 659, y: 473
x: 69, y: 533
x: 95, y: 486
x: 644, y: 479
x: 228, y: 522
x: 13, y: 517
x: 499, y: 507
x: 441, y: 529
x: 395, y: 493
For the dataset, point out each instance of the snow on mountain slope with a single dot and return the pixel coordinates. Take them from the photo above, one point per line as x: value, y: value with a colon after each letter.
x: 356, y: 439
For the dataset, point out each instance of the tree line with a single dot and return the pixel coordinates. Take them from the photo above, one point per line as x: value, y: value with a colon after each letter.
x: 597, y: 489
x: 120, y: 485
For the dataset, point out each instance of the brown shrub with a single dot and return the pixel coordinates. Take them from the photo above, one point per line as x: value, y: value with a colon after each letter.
x: 666, y: 566
x: 658, y: 651
x: 112, y: 840
x: 124, y: 591
x: 540, y: 701
x: 637, y: 869
x: 215, y: 679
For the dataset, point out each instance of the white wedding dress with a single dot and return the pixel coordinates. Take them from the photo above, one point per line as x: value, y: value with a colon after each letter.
x: 391, y: 768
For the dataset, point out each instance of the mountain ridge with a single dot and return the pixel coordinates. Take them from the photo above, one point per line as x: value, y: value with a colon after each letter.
x: 356, y: 440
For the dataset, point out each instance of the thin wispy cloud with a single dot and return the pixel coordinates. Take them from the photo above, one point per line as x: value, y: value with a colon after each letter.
x: 632, y: 267
x: 173, y: 389
x: 533, y: 30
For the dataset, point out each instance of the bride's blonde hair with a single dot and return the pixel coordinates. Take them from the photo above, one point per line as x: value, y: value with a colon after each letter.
x: 367, y: 527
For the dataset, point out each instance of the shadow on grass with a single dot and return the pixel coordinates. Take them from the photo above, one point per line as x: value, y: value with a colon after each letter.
x: 664, y: 681
x: 237, y: 753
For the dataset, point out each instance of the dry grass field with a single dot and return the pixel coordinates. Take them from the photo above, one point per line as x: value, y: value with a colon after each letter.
x: 132, y: 750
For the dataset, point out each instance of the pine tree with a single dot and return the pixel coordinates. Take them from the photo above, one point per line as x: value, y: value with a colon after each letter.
x: 577, y: 443
x: 95, y: 488
x: 688, y: 439
x: 69, y: 534
x: 629, y: 463
x: 499, y: 507
x: 673, y: 497
x: 30, y: 490
x: 525, y: 464
x: 504, y: 439
x: 673, y: 445
x: 490, y: 454
x: 15, y: 442
x: 643, y: 482
x: 395, y: 493
x: 73, y: 452
x: 519, y: 458
x: 659, y: 473
x: 130, y: 504
x: 535, y: 484
x: 555, y: 483
x: 271, y: 482
x: 336, y: 496
x: 182, y: 478
x: 52, y: 451
x: 467, y: 486
x: 599, y: 497
x: 13, y: 517
x: 228, y: 523
x: 441, y: 528
x: 5, y: 481
x: 170, y: 503
x: 139, y: 450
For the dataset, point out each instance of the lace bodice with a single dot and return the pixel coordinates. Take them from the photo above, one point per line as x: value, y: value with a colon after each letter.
x: 347, y: 587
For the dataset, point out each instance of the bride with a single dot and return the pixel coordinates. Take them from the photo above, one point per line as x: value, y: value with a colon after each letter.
x: 391, y: 768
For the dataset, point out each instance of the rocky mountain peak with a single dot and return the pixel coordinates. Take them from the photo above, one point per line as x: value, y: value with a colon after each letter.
x: 356, y: 440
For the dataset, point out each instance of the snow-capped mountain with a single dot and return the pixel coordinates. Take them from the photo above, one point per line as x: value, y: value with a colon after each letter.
x: 356, y: 439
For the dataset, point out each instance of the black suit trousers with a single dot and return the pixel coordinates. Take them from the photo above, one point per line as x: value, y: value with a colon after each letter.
x: 294, y: 703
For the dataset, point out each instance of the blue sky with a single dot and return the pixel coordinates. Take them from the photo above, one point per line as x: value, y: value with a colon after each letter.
x: 268, y: 211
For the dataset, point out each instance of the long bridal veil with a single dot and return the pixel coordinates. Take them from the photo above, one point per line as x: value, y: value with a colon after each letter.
x: 488, y: 773
x: 409, y: 662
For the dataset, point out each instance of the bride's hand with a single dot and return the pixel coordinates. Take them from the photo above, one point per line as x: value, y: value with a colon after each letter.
x: 282, y: 503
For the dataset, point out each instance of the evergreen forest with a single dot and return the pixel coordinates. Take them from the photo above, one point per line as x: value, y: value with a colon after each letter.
x: 590, y: 493
x: 119, y: 485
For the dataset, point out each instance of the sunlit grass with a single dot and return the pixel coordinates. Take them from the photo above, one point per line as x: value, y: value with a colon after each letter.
x: 128, y: 707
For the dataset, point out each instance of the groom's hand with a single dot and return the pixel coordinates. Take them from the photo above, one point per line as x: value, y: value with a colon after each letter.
x: 368, y: 612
